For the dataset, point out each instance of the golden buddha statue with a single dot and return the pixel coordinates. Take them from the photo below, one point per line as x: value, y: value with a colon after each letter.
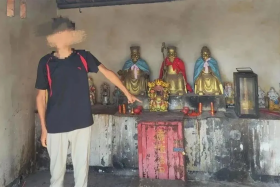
x: 207, y: 78
x: 174, y: 73
x: 135, y: 73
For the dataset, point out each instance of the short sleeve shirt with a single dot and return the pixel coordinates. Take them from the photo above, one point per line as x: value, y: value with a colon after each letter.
x: 68, y: 106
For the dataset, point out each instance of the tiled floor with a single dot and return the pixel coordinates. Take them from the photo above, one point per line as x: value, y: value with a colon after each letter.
x: 41, y: 179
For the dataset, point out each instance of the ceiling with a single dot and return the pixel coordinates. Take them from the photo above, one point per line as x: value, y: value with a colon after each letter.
x: 68, y: 4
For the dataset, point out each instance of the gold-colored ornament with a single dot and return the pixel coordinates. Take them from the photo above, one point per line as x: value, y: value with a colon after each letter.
x: 158, y: 93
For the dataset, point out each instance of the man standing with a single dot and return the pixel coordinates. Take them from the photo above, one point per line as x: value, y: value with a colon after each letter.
x: 67, y: 117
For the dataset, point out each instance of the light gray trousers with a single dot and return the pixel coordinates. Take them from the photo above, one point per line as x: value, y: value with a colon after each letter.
x: 57, y: 145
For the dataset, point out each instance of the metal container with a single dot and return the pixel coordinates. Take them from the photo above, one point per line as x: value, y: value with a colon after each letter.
x: 246, y: 93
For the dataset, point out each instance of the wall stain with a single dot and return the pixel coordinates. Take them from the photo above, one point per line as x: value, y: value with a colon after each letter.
x: 241, y: 7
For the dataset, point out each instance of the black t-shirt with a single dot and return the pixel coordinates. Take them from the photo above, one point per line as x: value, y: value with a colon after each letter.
x: 68, y: 107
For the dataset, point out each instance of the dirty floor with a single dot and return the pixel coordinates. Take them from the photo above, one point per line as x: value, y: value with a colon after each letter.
x: 41, y: 179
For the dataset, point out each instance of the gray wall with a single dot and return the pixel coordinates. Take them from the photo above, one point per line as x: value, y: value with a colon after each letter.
x: 239, y: 33
x: 20, y: 51
x: 221, y: 148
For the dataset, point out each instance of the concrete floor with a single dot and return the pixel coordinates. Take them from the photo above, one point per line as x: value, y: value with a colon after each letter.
x: 41, y: 179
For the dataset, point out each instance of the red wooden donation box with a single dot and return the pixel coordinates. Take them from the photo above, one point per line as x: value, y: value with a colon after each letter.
x: 160, y: 150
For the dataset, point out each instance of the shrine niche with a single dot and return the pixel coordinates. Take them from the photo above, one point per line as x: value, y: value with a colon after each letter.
x: 159, y: 94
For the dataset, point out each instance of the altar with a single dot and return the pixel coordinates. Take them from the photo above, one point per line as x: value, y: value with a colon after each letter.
x: 222, y: 146
x: 213, y: 130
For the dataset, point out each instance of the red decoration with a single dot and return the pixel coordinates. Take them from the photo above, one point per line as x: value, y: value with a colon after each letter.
x: 138, y: 110
x: 161, y: 150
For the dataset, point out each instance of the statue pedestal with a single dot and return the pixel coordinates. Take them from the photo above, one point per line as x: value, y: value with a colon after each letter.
x: 176, y: 102
x: 144, y: 99
x: 192, y: 101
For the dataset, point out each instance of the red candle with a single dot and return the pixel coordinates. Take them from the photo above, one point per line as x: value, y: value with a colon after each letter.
x: 124, y: 109
x: 212, y: 108
x: 120, y: 109
x: 200, y: 108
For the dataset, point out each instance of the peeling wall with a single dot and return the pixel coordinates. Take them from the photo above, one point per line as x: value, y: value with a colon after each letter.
x: 20, y: 51
x: 221, y: 148
x: 239, y: 34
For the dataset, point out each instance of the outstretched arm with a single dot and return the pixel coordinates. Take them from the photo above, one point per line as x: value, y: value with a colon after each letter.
x: 111, y: 76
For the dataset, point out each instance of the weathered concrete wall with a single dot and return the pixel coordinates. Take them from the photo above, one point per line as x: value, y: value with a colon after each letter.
x: 20, y: 51
x: 232, y: 149
x: 221, y: 148
x: 239, y: 34
x: 113, y: 143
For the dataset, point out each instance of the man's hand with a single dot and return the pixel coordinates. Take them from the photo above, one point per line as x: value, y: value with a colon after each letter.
x: 131, y: 98
x: 44, y: 137
x: 117, y: 82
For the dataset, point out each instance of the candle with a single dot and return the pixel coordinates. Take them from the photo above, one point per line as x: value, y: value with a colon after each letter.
x: 124, y: 109
x: 200, y: 108
x: 120, y: 109
x: 212, y: 108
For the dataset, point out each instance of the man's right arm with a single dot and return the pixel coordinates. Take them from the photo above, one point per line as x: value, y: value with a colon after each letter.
x: 42, y: 85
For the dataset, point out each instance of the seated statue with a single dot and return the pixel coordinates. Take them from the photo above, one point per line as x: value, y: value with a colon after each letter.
x: 273, y: 103
x: 207, y: 78
x: 173, y: 72
x: 135, y: 73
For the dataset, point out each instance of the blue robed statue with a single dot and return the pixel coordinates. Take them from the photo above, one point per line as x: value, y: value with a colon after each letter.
x: 135, y: 73
x: 207, y: 77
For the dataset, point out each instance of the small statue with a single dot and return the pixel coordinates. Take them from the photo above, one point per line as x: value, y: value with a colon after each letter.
x: 261, y: 95
x: 173, y: 72
x: 273, y: 100
x: 116, y: 94
x: 105, y: 94
x: 91, y: 91
x: 158, y: 93
x: 229, y: 94
x: 207, y: 78
x: 135, y: 73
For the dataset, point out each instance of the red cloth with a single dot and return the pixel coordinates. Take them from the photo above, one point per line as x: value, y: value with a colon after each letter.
x: 179, y: 66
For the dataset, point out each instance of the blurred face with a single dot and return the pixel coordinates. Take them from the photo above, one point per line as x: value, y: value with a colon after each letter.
x: 66, y: 38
